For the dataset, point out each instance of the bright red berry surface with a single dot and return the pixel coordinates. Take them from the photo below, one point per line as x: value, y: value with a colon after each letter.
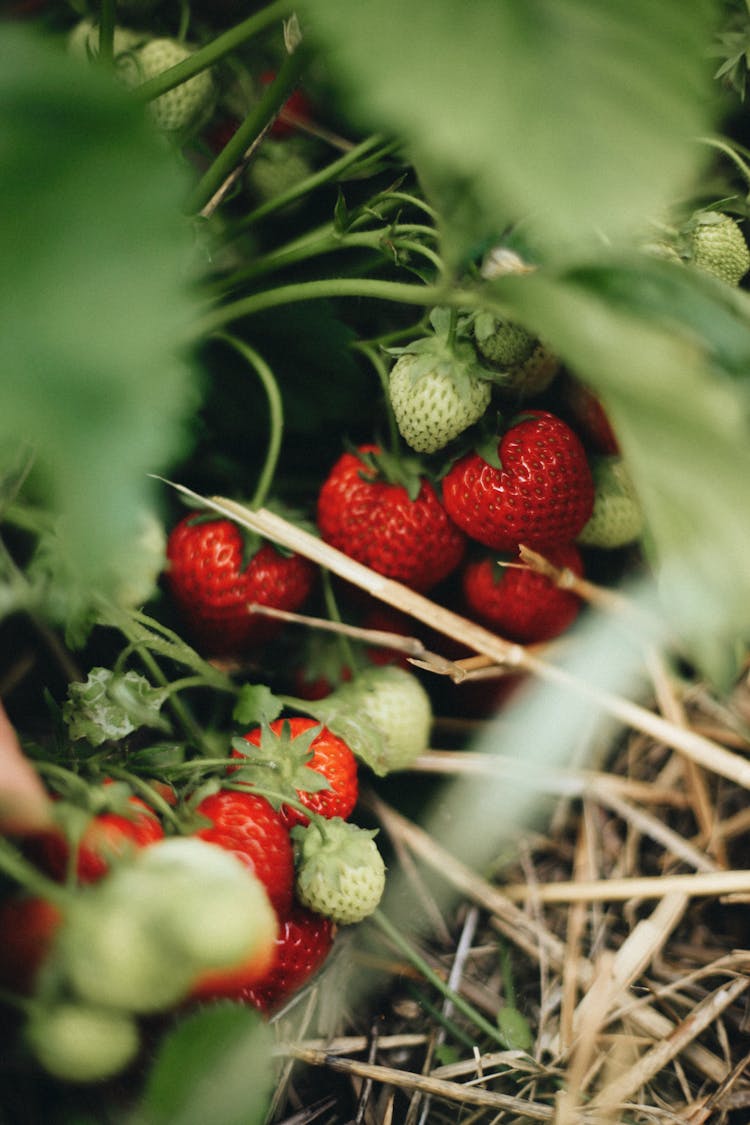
x: 542, y: 496
x: 212, y: 586
x: 246, y: 824
x: 333, y: 759
x: 521, y: 604
x: 304, y: 942
x: 374, y: 522
x: 107, y: 835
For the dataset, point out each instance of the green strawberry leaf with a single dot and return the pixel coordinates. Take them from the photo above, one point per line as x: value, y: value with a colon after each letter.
x: 360, y: 734
x: 98, y: 305
x: 625, y: 85
x: 109, y: 706
x: 215, y: 1066
x: 255, y: 703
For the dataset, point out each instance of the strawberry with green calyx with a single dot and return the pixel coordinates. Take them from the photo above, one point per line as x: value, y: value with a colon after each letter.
x: 538, y: 490
x: 437, y: 388
x: 340, y: 872
x: 519, y: 603
x: 381, y: 511
x: 617, y: 518
x: 714, y: 243
x: 181, y: 109
x: 216, y: 569
x: 384, y: 715
x: 301, y: 755
x: 248, y: 826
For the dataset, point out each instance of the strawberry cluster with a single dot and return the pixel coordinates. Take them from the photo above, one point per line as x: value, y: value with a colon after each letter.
x: 309, y: 868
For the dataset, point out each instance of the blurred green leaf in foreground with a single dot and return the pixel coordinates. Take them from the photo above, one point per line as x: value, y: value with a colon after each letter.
x: 577, y: 114
x: 94, y: 297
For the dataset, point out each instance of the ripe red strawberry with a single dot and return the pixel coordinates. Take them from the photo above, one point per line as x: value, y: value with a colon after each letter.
x: 521, y: 604
x: 295, y: 109
x: 331, y: 758
x: 541, y: 496
x: 28, y: 925
x: 107, y: 835
x: 246, y: 824
x: 212, y: 582
x: 377, y: 522
x: 588, y: 417
x: 305, y: 940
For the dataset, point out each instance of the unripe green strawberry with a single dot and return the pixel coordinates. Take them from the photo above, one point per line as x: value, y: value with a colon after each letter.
x: 83, y: 40
x: 437, y: 388
x: 430, y: 405
x: 384, y: 715
x: 137, y: 941
x: 531, y: 377
x: 341, y: 873
x: 617, y: 518
x: 185, y: 106
x: 79, y: 1043
x: 717, y: 246
x: 503, y: 342
x: 277, y: 167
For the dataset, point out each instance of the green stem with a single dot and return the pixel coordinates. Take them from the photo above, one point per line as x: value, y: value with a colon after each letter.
x: 728, y: 150
x: 418, y: 248
x: 300, y: 251
x: 249, y: 131
x: 316, y: 290
x: 206, y: 56
x: 314, y: 180
x: 346, y: 648
x: 452, y: 326
x: 276, y: 419
x: 178, y: 708
x: 151, y: 796
x: 107, y: 31
x: 429, y: 974
x: 432, y: 1010
x: 375, y: 358
x: 412, y: 200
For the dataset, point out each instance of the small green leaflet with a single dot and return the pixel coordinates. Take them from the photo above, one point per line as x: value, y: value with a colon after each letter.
x: 255, y: 703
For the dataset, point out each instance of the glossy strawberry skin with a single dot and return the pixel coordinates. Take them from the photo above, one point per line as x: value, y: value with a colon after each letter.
x: 376, y: 523
x: 212, y: 587
x: 106, y: 835
x: 246, y: 824
x: 304, y: 942
x: 521, y: 604
x: 333, y: 759
x: 589, y: 419
x: 542, y: 496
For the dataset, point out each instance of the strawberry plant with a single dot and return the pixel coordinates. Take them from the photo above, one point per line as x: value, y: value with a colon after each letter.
x: 481, y: 364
